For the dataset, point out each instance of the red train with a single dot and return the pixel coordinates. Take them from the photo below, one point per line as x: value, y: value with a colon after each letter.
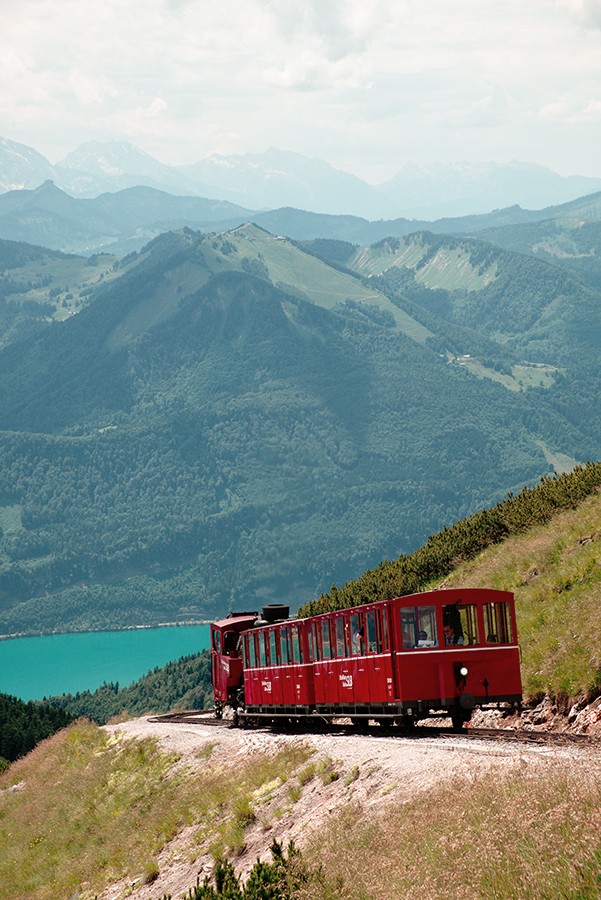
x: 441, y: 652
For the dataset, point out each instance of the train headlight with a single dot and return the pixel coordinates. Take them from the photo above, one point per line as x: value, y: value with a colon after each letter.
x: 463, y: 671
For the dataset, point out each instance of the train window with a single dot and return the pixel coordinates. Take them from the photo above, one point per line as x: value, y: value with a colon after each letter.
x: 408, y: 626
x: 469, y: 624
x: 217, y: 641
x: 284, y: 646
x: 231, y: 641
x: 384, y: 625
x: 340, y: 651
x: 326, y: 649
x: 252, y: 651
x: 273, y: 649
x: 297, y: 654
x: 374, y: 643
x: 497, y: 623
x: 427, y: 633
x: 312, y: 636
x: 418, y: 626
x: 262, y: 655
x: 357, y: 635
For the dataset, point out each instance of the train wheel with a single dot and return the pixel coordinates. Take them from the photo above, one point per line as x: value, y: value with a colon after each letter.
x: 457, y: 719
x: 407, y: 724
x: 361, y: 723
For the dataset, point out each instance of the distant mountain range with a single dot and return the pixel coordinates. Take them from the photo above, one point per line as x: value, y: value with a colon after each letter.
x: 124, y: 221
x: 279, y: 178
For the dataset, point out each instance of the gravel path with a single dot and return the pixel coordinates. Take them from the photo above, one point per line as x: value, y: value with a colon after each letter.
x: 383, y: 768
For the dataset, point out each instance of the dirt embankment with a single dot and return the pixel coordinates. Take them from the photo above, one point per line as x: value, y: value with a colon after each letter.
x: 371, y: 770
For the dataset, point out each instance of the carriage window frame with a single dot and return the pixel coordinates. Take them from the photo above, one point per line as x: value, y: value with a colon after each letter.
x: 295, y: 640
x: 284, y: 646
x: 468, y: 614
x: 326, y: 640
x: 262, y: 649
x: 217, y: 640
x: 339, y: 642
x: 415, y: 620
x: 498, y: 622
x: 373, y: 634
x: 385, y: 632
x: 274, y: 650
x: 357, y: 633
x: 252, y: 651
x: 313, y: 641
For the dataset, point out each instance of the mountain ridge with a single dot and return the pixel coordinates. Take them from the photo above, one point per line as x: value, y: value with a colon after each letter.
x: 280, y: 178
x: 227, y: 416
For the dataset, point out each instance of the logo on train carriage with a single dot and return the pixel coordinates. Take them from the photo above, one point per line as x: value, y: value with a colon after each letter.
x: 266, y: 685
x: 225, y: 665
x: 347, y: 681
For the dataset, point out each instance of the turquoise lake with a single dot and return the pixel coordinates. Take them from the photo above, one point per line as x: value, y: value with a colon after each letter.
x: 36, y: 667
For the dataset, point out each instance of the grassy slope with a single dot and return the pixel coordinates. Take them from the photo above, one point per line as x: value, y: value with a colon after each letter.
x: 555, y: 572
x: 524, y: 835
x: 95, y: 808
x: 90, y: 809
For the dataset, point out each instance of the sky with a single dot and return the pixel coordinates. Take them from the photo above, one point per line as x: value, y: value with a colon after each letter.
x: 367, y: 85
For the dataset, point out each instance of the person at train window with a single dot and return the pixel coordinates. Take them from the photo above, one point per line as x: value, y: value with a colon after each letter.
x: 424, y: 641
x: 451, y: 636
x: 357, y: 639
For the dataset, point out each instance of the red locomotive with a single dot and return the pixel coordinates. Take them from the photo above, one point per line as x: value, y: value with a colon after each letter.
x: 397, y: 661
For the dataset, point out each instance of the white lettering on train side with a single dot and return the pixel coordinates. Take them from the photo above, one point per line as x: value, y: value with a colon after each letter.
x: 347, y: 681
x: 266, y: 685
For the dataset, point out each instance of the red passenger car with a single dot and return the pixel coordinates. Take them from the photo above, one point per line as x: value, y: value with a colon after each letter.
x: 437, y: 652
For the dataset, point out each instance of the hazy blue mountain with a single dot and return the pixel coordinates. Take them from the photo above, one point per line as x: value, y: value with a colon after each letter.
x: 465, y: 188
x: 117, y: 223
x: 230, y: 419
x: 124, y: 221
x: 98, y: 167
x: 281, y: 178
x: 22, y: 166
x: 278, y: 178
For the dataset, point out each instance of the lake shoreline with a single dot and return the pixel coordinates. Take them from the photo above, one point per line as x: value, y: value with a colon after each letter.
x: 37, y: 666
x: 27, y: 634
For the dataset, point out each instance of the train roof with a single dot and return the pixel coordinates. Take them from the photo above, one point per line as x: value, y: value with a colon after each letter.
x: 236, y: 619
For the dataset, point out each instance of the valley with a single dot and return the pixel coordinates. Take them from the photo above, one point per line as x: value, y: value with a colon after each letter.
x: 242, y: 414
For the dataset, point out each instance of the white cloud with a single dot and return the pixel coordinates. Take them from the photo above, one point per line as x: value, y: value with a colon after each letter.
x: 375, y: 82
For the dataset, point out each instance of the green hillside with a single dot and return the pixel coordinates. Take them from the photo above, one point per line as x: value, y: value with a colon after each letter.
x: 571, y: 243
x: 230, y: 417
x: 542, y: 544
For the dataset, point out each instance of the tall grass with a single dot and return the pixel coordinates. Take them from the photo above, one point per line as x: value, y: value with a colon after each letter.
x: 518, y: 836
x: 91, y: 809
x: 555, y: 572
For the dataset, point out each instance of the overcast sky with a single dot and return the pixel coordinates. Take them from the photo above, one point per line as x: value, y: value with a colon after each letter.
x: 365, y: 84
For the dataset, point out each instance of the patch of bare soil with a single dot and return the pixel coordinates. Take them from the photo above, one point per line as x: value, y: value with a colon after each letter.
x: 372, y: 770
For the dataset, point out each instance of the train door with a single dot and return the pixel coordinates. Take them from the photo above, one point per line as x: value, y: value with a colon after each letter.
x: 377, y: 662
x: 299, y: 669
x: 326, y: 677
x: 388, y: 644
x: 343, y: 665
x: 358, y: 657
x: 277, y: 683
x: 318, y: 673
x: 252, y: 682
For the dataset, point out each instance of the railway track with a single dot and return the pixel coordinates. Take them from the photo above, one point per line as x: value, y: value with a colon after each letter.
x: 524, y: 735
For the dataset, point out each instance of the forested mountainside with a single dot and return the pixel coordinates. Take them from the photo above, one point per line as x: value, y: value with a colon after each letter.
x: 225, y: 418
